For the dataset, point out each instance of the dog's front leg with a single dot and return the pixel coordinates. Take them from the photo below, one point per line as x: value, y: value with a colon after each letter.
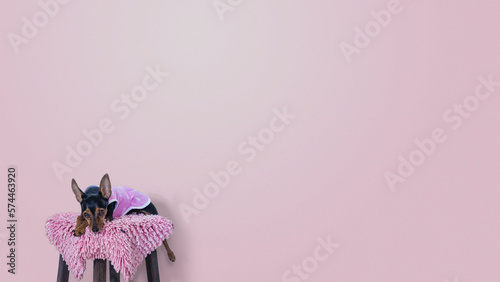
x: 81, y: 224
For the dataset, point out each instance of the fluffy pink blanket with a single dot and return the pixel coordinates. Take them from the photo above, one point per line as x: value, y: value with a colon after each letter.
x: 125, y: 241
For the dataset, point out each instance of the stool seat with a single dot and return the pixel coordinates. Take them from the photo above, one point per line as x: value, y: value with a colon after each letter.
x: 124, y: 242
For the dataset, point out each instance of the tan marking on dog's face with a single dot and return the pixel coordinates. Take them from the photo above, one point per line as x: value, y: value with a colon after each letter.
x: 87, y: 215
x: 98, y: 217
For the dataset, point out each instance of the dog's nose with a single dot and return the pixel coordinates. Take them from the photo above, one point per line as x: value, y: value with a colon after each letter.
x: 94, y: 229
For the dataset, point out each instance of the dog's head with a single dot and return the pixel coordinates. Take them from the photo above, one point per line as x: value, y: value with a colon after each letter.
x: 94, y: 202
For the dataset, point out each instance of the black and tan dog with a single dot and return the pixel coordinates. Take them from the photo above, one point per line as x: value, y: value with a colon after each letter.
x: 103, y: 202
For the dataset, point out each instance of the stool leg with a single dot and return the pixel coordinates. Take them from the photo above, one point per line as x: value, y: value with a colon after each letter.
x: 99, y: 270
x: 62, y: 271
x: 113, y: 275
x: 152, y: 267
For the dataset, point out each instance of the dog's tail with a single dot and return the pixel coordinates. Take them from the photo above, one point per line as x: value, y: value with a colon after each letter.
x: 171, y: 255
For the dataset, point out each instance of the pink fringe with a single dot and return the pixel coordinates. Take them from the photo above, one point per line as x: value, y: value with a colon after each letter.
x: 125, y: 241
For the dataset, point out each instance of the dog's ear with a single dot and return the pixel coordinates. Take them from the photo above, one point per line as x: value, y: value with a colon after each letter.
x: 105, y: 186
x: 76, y: 190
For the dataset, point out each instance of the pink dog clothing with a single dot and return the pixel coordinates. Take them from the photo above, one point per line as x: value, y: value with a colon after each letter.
x: 127, y: 199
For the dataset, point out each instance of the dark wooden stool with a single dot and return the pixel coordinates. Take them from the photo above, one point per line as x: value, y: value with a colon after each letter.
x: 100, y: 270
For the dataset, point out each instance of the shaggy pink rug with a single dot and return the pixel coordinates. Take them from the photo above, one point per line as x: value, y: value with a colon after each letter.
x: 125, y: 241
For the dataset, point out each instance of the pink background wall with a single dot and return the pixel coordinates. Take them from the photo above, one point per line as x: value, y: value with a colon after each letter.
x: 322, y: 177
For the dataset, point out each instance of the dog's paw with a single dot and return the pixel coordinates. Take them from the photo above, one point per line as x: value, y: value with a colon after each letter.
x: 77, y: 232
x: 171, y: 256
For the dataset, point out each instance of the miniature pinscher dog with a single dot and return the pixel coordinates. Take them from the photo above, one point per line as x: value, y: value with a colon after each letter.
x: 102, y: 203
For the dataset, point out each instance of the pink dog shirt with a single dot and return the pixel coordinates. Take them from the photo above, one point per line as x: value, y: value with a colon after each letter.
x: 127, y: 199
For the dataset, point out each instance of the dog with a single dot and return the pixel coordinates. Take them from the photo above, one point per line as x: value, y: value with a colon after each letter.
x: 103, y: 203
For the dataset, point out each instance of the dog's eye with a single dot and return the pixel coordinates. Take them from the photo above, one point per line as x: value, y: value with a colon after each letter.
x: 101, y: 213
x: 86, y: 215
